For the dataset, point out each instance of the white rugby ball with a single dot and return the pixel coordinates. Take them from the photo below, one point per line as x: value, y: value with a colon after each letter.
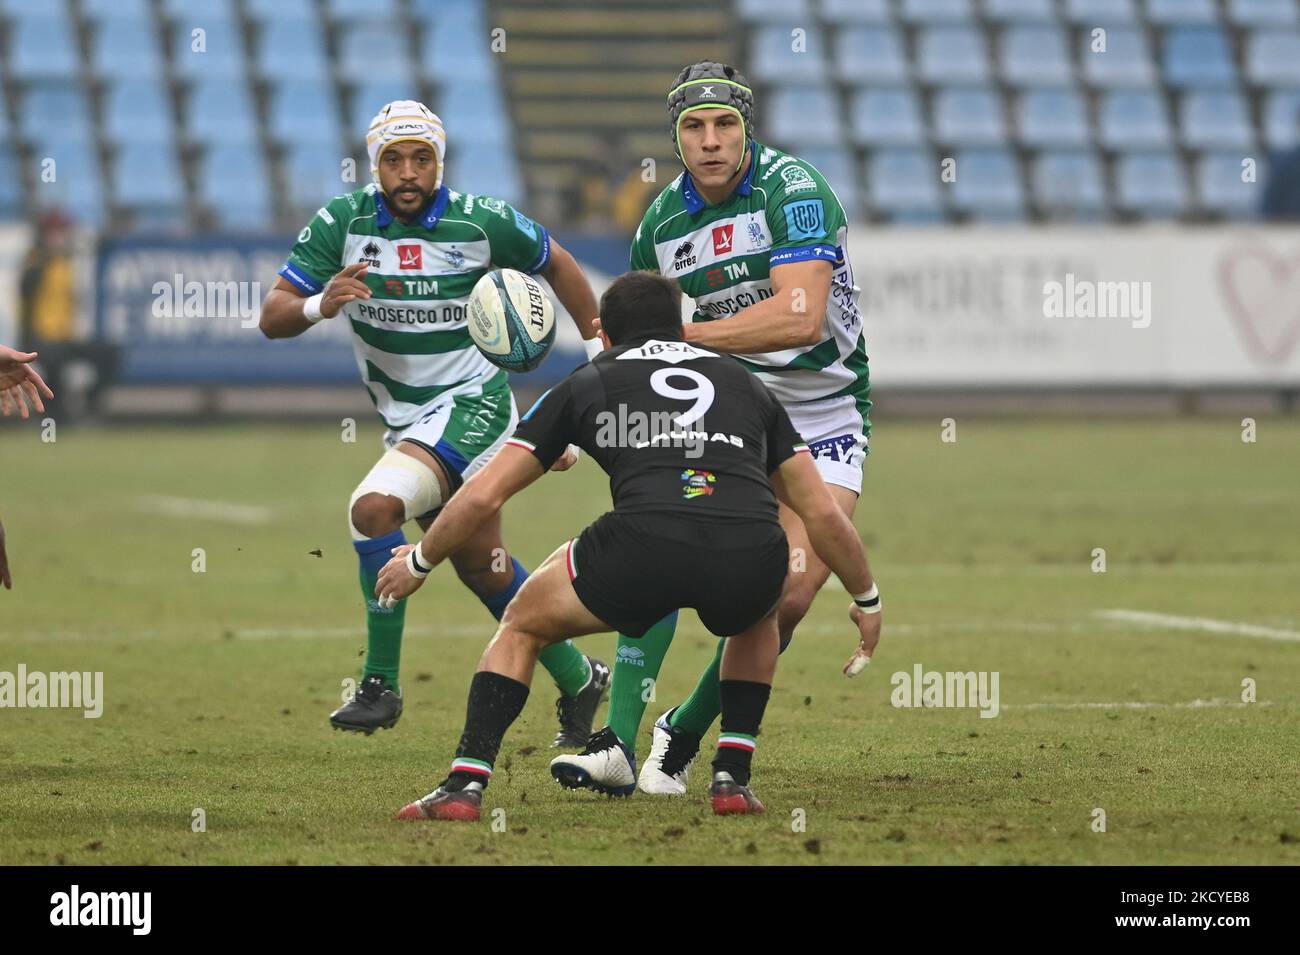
x: 511, y: 320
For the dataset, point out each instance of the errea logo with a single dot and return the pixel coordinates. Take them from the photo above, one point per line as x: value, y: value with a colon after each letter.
x: 631, y: 655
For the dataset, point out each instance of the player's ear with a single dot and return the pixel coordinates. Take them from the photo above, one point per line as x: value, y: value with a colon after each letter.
x: 604, y: 340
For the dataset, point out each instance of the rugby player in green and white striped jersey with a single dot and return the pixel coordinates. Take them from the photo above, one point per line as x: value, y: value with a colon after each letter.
x: 397, y: 261
x: 757, y: 238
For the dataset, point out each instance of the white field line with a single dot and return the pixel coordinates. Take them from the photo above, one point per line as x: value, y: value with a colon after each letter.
x: 1205, y: 624
x: 262, y: 633
x: 1082, y: 569
x: 1134, y: 705
x: 200, y: 508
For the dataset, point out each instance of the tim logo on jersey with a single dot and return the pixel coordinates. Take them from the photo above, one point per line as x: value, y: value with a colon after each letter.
x: 697, y: 483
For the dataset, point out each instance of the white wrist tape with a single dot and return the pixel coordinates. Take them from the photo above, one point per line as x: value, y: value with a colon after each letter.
x: 868, y: 602
x: 593, y: 347
x: 415, y: 565
x: 311, y: 308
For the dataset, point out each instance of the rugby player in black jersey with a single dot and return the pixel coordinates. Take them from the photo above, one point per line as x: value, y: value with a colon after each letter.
x: 694, y: 445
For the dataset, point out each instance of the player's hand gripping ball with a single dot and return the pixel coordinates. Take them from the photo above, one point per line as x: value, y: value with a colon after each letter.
x: 511, y: 320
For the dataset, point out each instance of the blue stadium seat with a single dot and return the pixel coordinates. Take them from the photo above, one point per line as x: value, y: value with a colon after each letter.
x: 147, y: 178
x: 872, y: 55
x: 485, y: 171
x: 904, y: 183
x: 1282, y: 119
x: 204, y: 13
x: 1035, y: 56
x: 988, y: 185
x: 368, y: 97
x: 1198, y: 56
x: 446, y: 55
x: 1182, y: 11
x: 289, y: 102
x: 803, y: 116
x: 1133, y: 119
x: 55, y: 109
x: 839, y: 172
x: 937, y: 11
x: 267, y: 10
x: 1259, y: 13
x: 474, y: 112
x: 771, y: 55
x: 25, y: 9
x: 1151, y: 184
x: 358, y: 10
x: 5, y: 132
x: 42, y: 48
x: 11, y: 184
x: 855, y: 11
x: 1273, y: 57
x: 1215, y: 120
x: 1019, y: 11
x: 222, y: 53
x: 886, y: 117
x: 969, y: 116
x: 116, y: 9
x: 1048, y: 117
x: 78, y: 184
x: 1125, y: 62
x: 1092, y: 13
x: 221, y: 110
x: 1069, y: 185
x: 781, y: 11
x: 138, y: 111
x: 952, y: 55
x: 126, y: 49
x: 313, y: 176
x: 1220, y: 189
x: 356, y: 53
x: 291, y: 50
x: 233, y: 183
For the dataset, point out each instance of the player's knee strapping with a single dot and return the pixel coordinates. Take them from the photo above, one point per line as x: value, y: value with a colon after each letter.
x: 399, y: 475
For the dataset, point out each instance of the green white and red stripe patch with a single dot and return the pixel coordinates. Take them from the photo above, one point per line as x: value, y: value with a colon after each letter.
x: 521, y: 443
x: 737, y: 741
x: 476, y: 766
x: 572, y: 559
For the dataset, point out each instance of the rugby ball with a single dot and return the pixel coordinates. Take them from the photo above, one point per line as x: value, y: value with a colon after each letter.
x: 511, y: 320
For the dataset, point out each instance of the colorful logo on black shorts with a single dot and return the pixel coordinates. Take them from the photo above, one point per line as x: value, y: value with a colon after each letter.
x: 697, y: 483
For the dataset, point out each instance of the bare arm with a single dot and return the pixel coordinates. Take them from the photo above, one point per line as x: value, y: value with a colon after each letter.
x: 800, y: 487
x: 793, y: 317
x: 282, y: 311
x: 572, y: 289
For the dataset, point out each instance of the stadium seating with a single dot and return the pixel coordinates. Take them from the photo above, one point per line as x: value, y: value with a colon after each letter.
x: 879, y: 91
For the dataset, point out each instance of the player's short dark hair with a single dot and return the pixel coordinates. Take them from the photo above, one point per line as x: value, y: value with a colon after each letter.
x: 638, y: 303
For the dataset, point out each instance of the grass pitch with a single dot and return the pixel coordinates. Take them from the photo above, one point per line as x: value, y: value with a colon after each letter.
x: 218, y: 684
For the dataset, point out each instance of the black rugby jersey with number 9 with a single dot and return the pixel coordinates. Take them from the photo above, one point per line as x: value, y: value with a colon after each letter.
x: 679, y: 429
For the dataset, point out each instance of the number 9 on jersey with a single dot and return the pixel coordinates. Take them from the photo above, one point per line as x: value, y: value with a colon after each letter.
x: 511, y: 320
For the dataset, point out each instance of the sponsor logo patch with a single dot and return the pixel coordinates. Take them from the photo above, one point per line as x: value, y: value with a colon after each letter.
x: 697, y: 483
x: 525, y: 225
x: 722, y: 239
x: 842, y: 447
x: 805, y: 219
x: 410, y: 257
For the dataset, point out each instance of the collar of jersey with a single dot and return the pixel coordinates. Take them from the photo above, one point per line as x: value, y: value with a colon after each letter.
x: 696, y: 202
x: 384, y: 218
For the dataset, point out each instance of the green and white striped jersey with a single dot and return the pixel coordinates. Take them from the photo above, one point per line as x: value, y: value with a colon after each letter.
x: 411, y: 337
x: 782, y: 212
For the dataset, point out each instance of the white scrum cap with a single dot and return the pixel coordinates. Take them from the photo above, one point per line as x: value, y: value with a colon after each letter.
x: 403, y: 120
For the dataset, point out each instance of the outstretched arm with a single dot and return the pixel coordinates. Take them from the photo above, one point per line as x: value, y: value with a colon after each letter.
x: 799, y: 486
x: 572, y: 289
x: 794, y: 316
x: 512, y: 470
